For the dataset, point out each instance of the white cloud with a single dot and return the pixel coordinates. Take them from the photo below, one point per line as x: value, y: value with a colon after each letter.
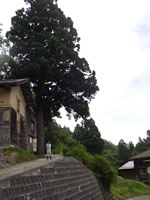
x: 141, y: 83
x: 7, y: 10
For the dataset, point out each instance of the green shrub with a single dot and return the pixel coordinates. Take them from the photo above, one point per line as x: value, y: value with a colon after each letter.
x: 80, y: 154
x: 98, y: 164
x: 104, y: 171
x: 21, y: 155
x: 65, y: 150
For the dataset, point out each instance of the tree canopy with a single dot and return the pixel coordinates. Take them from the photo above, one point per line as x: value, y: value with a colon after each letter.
x: 45, y: 48
x: 143, y: 144
x: 123, y: 152
x: 88, y: 134
x: 1, y: 37
x: 4, y: 57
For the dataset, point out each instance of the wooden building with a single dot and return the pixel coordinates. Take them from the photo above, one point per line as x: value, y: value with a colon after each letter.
x: 127, y: 170
x: 142, y: 164
x: 139, y: 167
x: 17, y: 116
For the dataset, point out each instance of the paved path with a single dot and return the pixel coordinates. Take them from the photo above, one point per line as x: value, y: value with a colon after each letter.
x: 140, y: 198
x: 24, y: 167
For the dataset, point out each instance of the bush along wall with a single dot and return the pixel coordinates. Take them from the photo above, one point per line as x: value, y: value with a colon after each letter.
x: 101, y: 167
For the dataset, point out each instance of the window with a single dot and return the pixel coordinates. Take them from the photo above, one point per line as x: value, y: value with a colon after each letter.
x: 18, y: 105
x: 142, y: 171
x: 32, y: 126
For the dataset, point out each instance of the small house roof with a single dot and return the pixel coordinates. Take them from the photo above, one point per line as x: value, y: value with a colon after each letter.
x: 25, y: 86
x: 143, y: 155
x: 128, y: 165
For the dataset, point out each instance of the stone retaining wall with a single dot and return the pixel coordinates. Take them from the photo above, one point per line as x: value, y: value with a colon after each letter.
x: 66, y: 179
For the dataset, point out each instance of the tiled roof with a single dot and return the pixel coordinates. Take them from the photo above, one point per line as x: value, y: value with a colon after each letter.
x: 144, y: 154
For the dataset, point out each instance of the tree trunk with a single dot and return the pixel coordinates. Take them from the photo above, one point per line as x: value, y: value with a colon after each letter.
x: 40, y: 131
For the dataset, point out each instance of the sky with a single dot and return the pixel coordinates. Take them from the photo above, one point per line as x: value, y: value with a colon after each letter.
x: 115, y: 40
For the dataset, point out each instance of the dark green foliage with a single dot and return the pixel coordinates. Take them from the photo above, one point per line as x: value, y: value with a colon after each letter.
x: 52, y: 131
x: 141, y: 146
x: 63, y: 142
x: 4, y: 67
x: 1, y: 37
x: 45, y: 49
x: 148, y: 135
x: 88, y: 134
x: 78, y: 151
x: 112, y: 156
x: 109, y: 146
x: 110, y: 153
x: 57, y: 135
x: 4, y: 57
x: 98, y: 164
x: 131, y: 148
x: 4, y: 43
x: 73, y: 148
x: 123, y: 152
x: 104, y: 170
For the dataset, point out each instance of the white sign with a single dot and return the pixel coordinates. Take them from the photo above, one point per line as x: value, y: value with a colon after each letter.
x: 34, y: 144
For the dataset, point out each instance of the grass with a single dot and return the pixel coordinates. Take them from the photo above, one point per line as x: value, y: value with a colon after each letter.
x: 14, y: 155
x: 125, y: 188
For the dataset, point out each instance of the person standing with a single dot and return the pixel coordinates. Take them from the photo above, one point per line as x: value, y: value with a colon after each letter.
x: 48, y: 149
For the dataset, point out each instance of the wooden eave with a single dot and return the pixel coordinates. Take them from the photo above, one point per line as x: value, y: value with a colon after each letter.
x: 141, y: 156
x: 25, y: 86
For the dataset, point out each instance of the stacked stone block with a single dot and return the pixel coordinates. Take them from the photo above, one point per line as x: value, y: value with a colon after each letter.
x: 63, y: 180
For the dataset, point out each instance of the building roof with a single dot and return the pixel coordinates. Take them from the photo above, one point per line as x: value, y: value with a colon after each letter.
x: 13, y: 82
x: 143, y: 155
x: 128, y: 165
x: 25, y: 86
